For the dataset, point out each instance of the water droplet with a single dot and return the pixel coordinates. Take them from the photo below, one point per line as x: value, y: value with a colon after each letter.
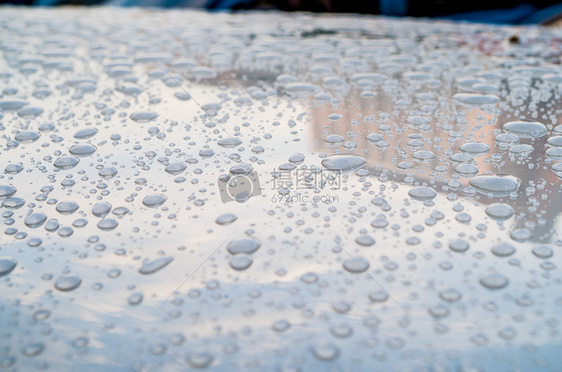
x: 281, y: 326
x: 459, y: 245
x: 522, y: 150
x: 242, y: 169
x: 507, y: 139
x: 439, y: 311
x: 365, y: 240
x: 334, y: 138
x: 450, y: 295
x: 296, y: 158
x: 135, y: 298
x: 241, y: 262
x: 27, y: 136
x: 154, y: 200
x: 41, y: 314
x: 101, y: 209
x: 67, y: 283
x: 144, y: 116
x: 107, y: 172
x: 9, y: 104
x: 467, y: 170
x: 477, y: 99
x: 33, y: 349
x: 499, y: 211
x: 7, y: 265
x: 554, y: 153
x: 226, y: 219
x: 85, y: 133
x: 378, y: 296
x: 107, y: 224
x: 343, y: 162
x: 325, y: 351
x: 555, y: 141
x: 175, y: 168
x: 309, y: 278
x: 67, y: 207
x: 84, y: 149
x: 422, y: 193
x: 244, y: 246
x: 13, y: 203
x: 374, y: 138
x: 7, y: 191
x: 206, y: 153
x: 66, y: 162
x: 423, y: 156
x: 496, y: 185
x: 200, y: 358
x: 543, y: 252
x: 153, y: 266
x: 475, y: 148
x: 503, y: 250
x: 494, y: 281
x: 356, y: 265
x: 13, y: 169
x: 418, y: 120
x: 35, y: 220
x: 525, y: 129
x: 341, y: 330
x: 229, y: 142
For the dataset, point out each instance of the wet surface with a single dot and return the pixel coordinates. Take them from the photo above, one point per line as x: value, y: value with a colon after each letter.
x: 277, y: 192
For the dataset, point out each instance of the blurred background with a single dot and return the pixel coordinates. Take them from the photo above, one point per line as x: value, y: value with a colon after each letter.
x: 546, y: 12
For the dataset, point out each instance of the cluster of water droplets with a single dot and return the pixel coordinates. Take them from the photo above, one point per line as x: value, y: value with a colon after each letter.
x: 277, y: 192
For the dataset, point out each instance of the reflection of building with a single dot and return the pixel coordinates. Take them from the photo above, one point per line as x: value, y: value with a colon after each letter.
x: 386, y: 160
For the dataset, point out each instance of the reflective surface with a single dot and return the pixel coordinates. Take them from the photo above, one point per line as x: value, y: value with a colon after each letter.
x: 277, y: 192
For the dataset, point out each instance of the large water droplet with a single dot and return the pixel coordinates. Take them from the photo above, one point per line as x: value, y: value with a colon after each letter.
x: 9, y: 104
x: 499, y: 211
x: 154, y: 200
x: 334, y: 138
x: 35, y: 220
x: 245, y: 246
x: 242, y: 169
x: 27, y: 136
x: 85, y: 133
x: 153, y: 266
x: 83, y: 149
x: 241, y: 262
x: 66, y: 162
x: 477, y: 99
x: 422, y: 193
x: 494, y: 281
x: 343, y: 162
x: 475, y: 148
x: 7, y: 265
x: 7, y: 191
x: 356, y: 265
x: 525, y: 129
x: 503, y: 250
x: 67, y: 207
x: 67, y: 283
x: 229, y: 142
x: 496, y: 185
x: 144, y: 116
